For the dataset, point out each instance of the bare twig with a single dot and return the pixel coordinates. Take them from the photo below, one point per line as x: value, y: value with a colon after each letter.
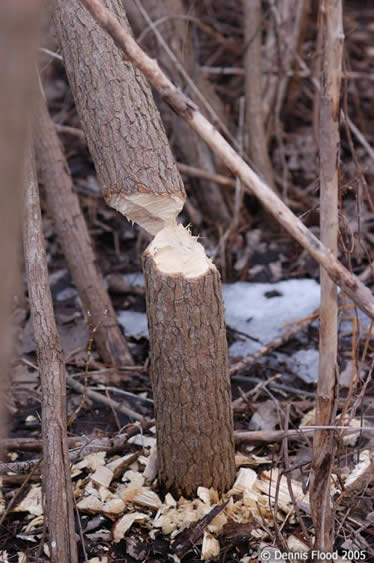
x: 324, y: 443
x: 188, y: 111
x: 79, y: 388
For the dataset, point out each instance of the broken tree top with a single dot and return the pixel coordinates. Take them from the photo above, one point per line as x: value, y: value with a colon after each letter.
x: 175, y: 251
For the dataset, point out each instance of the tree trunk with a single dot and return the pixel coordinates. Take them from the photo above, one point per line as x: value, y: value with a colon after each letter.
x: 137, y: 149
x: 19, y: 22
x: 257, y: 143
x: 189, y: 367
x: 124, y: 132
x: 57, y: 487
x: 73, y: 235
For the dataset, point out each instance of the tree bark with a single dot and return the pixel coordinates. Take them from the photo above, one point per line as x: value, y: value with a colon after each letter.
x: 324, y: 442
x: 257, y: 142
x: 19, y: 27
x: 63, y: 204
x: 57, y: 487
x: 178, y: 37
x: 189, y: 367
x: 360, y: 294
x: 124, y: 132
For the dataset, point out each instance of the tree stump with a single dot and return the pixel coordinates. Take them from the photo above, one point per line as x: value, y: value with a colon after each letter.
x: 189, y: 365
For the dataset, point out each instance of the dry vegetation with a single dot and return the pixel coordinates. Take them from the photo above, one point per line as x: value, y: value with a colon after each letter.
x: 122, y: 511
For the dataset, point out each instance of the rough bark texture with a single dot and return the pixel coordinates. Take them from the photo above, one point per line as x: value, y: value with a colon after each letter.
x: 324, y: 443
x: 191, y: 387
x: 360, y: 294
x: 19, y: 22
x: 71, y: 229
x: 177, y: 34
x: 257, y: 143
x: 57, y: 488
x: 122, y: 125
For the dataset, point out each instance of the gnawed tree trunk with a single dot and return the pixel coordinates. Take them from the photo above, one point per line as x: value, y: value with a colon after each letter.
x: 177, y: 34
x: 74, y: 238
x: 57, y: 487
x: 19, y: 23
x: 140, y: 179
x: 123, y: 128
x: 189, y: 366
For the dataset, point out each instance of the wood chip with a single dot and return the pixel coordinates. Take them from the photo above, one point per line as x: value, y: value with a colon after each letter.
x: 142, y: 496
x: 102, y: 476
x: 210, y: 548
x: 124, y: 524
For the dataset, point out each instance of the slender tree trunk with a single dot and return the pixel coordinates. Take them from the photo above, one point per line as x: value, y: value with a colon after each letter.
x: 125, y: 135
x: 257, y: 143
x: 189, y: 368
x: 57, y: 487
x: 181, y: 104
x: 178, y: 37
x: 73, y: 235
x: 280, y: 49
x: 324, y: 444
x: 139, y: 174
x: 19, y: 23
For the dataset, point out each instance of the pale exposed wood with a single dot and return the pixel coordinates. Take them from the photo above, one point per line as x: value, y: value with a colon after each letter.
x: 324, y: 443
x: 124, y: 132
x: 257, y: 143
x: 189, y: 366
x: 360, y: 294
x: 19, y: 23
x: 57, y: 487
x: 63, y: 205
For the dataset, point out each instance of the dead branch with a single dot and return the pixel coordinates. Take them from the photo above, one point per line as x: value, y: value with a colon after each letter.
x: 72, y: 231
x: 79, y: 388
x: 329, y: 149
x: 360, y: 294
x: 56, y: 469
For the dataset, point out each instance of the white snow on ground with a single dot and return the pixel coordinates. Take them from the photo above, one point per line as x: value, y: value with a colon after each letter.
x: 257, y: 310
x: 134, y: 324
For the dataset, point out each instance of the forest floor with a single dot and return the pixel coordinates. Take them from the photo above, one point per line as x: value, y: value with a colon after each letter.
x: 271, y: 296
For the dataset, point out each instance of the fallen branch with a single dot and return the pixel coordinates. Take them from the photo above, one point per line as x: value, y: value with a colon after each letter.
x: 79, y: 388
x: 360, y: 294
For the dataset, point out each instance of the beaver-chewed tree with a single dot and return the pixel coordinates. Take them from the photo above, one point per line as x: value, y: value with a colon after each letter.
x: 139, y: 178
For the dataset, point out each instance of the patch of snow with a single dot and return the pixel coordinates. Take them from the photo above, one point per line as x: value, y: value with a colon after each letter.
x: 258, y: 310
x: 134, y: 324
x: 304, y: 364
x: 135, y: 279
